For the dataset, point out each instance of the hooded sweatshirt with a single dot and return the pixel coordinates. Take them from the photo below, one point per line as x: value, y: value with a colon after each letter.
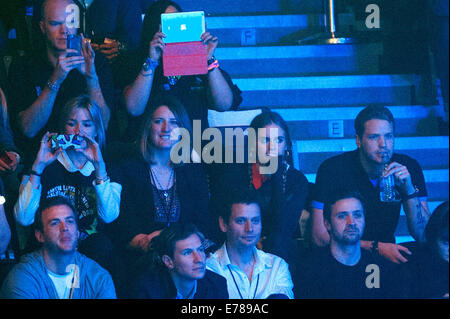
x: 30, y: 280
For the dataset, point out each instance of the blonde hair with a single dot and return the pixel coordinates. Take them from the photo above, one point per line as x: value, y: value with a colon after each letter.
x: 85, y: 102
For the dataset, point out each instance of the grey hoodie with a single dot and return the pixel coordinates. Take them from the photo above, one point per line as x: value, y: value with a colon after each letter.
x: 29, y: 280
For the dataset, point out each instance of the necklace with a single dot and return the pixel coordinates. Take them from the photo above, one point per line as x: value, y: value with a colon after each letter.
x: 167, y: 206
x: 165, y: 190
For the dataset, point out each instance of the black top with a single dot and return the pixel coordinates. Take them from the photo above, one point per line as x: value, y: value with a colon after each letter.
x: 159, y: 285
x: 28, y: 76
x: 280, y: 210
x: 322, y: 276
x: 120, y: 20
x: 114, y: 19
x: 346, y: 172
x: 429, y: 273
x: 137, y: 207
x: 56, y: 181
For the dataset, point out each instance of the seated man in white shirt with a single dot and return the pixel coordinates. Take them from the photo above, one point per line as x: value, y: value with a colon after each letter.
x: 250, y: 272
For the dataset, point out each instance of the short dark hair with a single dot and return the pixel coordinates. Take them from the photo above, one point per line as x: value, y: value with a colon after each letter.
x: 437, y: 225
x: 372, y: 112
x: 337, y: 196
x: 165, y: 242
x: 52, y: 202
x: 238, y: 197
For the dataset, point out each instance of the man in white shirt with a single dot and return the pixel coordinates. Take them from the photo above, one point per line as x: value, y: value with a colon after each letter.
x: 250, y: 272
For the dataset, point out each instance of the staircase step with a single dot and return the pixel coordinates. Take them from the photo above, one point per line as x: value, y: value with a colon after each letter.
x: 350, y: 113
x: 427, y: 158
x: 312, y: 123
x: 268, y: 29
x: 229, y: 6
x: 301, y: 59
x: 349, y: 90
x: 345, y: 145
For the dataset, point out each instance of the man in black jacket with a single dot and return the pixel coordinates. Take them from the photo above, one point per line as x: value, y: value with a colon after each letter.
x: 179, y: 269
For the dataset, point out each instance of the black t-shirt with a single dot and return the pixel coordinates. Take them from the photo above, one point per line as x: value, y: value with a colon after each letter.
x: 346, y: 172
x: 57, y: 181
x: 28, y: 77
x: 429, y: 274
x: 322, y: 276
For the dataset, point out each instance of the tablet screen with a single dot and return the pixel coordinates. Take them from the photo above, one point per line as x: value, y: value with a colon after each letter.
x: 183, y: 26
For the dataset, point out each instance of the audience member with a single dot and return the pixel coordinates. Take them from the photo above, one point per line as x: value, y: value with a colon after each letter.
x: 282, y: 193
x: 5, y: 232
x: 9, y: 154
x: 430, y: 266
x: 250, y: 272
x: 438, y: 17
x: 361, y: 170
x: 57, y: 271
x: 198, y: 93
x: 156, y: 191
x: 43, y: 83
x: 78, y: 174
x: 112, y: 26
x: 10, y: 167
x: 179, y: 268
x: 344, y: 270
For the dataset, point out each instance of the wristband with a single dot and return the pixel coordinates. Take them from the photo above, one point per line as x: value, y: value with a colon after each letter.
x: 410, y: 196
x: 32, y: 172
x: 149, y: 64
x: 213, y: 65
x: 212, y: 60
x: 99, y: 181
x: 53, y: 86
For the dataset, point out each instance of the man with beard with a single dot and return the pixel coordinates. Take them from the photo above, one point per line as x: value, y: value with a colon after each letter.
x: 362, y: 170
x: 344, y: 270
x: 57, y: 270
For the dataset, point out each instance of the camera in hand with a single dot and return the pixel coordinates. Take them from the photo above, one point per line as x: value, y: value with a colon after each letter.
x: 65, y: 141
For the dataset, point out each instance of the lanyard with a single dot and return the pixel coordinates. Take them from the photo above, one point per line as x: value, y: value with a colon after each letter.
x: 235, y: 283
